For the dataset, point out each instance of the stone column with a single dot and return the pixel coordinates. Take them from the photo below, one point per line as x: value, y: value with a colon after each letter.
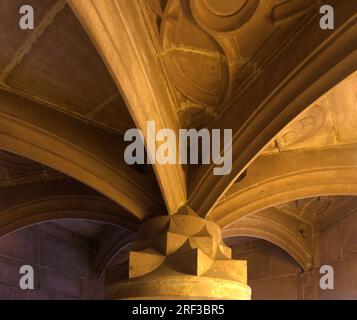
x: 178, y: 257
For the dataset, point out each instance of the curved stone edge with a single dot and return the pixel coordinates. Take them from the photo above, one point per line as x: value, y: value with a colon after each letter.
x: 179, y: 288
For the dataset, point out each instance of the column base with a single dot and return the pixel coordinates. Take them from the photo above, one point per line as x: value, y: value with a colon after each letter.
x: 178, y: 288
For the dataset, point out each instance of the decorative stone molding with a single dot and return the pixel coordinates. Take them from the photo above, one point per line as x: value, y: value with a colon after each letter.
x: 28, y: 204
x: 287, y: 232
x: 207, y: 68
x: 17, y: 170
x: 111, y: 244
x: 205, y: 84
x: 311, y: 64
x: 76, y: 149
x: 225, y: 16
x: 287, y: 176
x: 328, y: 122
x: 179, y: 256
x: 217, y: 77
x: 117, y: 29
x: 57, y: 209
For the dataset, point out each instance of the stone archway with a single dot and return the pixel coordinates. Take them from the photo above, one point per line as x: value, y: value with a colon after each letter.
x: 254, y: 69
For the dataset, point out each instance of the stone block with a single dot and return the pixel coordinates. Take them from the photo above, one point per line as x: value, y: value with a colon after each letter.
x: 275, y: 289
x: 330, y: 244
x: 22, y: 245
x: 258, y: 264
x: 60, y: 283
x: 65, y: 256
x: 349, y: 234
x: 51, y: 229
x: 5, y: 291
x: 9, y: 271
x: 20, y: 294
x: 92, y: 289
x: 345, y: 280
x: 281, y: 263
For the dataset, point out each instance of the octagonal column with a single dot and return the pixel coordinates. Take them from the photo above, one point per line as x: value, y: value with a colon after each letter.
x: 181, y: 256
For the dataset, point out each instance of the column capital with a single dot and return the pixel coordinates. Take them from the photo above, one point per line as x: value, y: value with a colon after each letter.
x: 180, y: 256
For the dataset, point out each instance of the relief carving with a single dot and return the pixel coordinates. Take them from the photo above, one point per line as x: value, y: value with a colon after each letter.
x: 196, y: 64
x: 304, y: 127
x: 223, y: 16
x: 211, y: 48
x: 310, y: 209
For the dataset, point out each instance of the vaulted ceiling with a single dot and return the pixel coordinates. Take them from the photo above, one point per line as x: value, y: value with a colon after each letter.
x: 229, y: 43
x: 303, y: 181
x: 92, y: 69
x: 57, y: 65
x: 251, y: 66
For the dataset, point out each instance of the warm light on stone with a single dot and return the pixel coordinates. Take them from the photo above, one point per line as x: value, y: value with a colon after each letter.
x: 180, y: 256
x: 221, y: 135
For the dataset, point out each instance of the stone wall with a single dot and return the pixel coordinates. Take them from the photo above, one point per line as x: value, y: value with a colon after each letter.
x: 61, y: 260
x: 338, y: 248
x: 272, y: 273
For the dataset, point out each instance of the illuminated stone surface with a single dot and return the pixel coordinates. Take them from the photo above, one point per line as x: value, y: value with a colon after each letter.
x: 93, y: 69
x: 180, y: 256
